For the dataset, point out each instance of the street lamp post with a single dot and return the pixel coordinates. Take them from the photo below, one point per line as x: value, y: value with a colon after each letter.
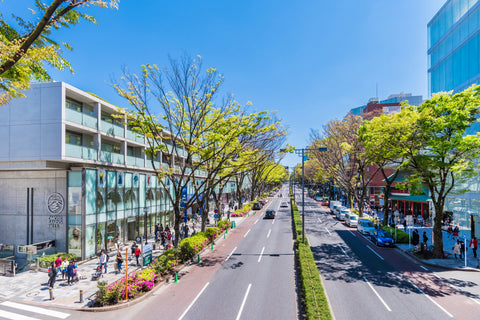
x: 301, y: 152
x: 145, y: 211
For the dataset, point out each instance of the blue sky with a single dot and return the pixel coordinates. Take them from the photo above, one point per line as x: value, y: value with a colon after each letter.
x: 311, y: 61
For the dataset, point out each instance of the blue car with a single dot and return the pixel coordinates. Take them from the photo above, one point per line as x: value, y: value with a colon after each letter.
x: 381, y: 238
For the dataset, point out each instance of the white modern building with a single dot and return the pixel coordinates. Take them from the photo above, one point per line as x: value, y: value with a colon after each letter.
x: 72, y: 172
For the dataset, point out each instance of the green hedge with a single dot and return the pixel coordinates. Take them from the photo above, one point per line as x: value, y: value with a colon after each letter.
x: 402, y: 236
x: 223, y: 224
x: 193, y: 245
x: 313, y: 294
x: 44, y: 262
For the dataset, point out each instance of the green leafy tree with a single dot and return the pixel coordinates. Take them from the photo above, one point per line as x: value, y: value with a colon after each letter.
x: 26, y: 48
x: 439, y: 151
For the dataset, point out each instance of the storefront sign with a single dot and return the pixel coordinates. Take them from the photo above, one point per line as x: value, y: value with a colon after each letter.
x: 147, y: 254
x: 55, y: 222
x: 55, y: 203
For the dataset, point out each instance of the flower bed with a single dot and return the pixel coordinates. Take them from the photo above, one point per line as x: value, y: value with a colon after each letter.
x: 165, y: 265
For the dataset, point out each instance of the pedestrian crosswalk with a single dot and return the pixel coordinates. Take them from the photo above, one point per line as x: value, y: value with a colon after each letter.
x: 17, y: 311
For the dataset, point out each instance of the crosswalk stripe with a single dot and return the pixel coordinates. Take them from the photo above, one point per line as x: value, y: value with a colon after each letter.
x: 51, y: 313
x: 14, y: 316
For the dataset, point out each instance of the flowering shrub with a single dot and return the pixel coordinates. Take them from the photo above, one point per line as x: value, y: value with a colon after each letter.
x: 212, y: 233
x: 167, y: 262
x: 140, y: 281
x: 224, y: 224
x: 193, y: 245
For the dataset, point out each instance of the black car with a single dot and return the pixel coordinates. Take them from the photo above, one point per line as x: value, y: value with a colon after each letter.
x: 270, y: 214
x: 257, y: 206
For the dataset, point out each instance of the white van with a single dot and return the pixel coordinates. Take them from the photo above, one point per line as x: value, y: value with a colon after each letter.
x: 351, y: 219
x: 340, y: 214
x: 334, y: 203
x: 365, y: 226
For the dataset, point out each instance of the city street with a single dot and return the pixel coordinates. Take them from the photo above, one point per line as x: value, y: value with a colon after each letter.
x: 249, y: 275
x: 363, y: 281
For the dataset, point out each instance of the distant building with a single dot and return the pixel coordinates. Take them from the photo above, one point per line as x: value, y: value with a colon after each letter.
x: 390, y: 105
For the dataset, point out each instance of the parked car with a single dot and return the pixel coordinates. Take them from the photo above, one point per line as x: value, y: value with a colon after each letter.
x: 257, y: 206
x: 262, y: 201
x: 270, y: 214
x: 365, y: 226
x: 351, y: 219
x: 325, y: 203
x: 284, y: 204
x: 381, y: 238
x: 340, y: 213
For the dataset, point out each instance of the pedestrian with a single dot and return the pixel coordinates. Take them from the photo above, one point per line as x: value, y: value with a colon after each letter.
x: 455, y: 232
x: 119, y: 262
x: 405, y: 224
x: 52, y: 275
x: 425, y: 238
x: 137, y: 254
x: 415, y: 237
x: 462, y: 248
x: 64, y: 268
x: 132, y: 248
x: 58, y: 264
x: 457, y: 250
x: 103, y: 260
x: 474, y: 245
x: 162, y: 239
x: 70, y: 273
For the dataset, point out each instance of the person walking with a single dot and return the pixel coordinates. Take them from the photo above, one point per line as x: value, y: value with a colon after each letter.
x: 63, y: 268
x: 132, y: 248
x: 52, y: 275
x: 137, y: 254
x: 425, y: 238
x: 70, y: 273
x: 457, y: 250
x: 474, y: 245
x: 103, y: 260
x: 58, y: 264
x: 415, y: 237
x: 119, y: 262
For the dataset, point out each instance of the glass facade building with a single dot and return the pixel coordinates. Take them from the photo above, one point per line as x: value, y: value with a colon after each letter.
x: 454, y: 65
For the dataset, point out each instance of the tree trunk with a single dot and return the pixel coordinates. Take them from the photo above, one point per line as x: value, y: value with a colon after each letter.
x: 176, y: 224
x: 437, y: 230
x: 205, y: 216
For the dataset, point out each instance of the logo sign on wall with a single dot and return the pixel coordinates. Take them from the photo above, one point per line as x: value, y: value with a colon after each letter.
x: 149, y: 181
x: 120, y: 179
x: 102, y: 177
x: 55, y: 203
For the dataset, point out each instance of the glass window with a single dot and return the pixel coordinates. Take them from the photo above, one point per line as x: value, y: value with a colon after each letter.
x: 73, y: 138
x: 108, y: 147
x: 73, y: 105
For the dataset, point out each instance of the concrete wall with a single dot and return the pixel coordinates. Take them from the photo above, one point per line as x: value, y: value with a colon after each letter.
x: 13, y: 206
x: 31, y: 127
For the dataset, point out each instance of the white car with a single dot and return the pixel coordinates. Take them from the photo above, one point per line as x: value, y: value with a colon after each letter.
x: 340, y: 214
x: 284, y: 204
x: 351, y: 219
x: 365, y: 226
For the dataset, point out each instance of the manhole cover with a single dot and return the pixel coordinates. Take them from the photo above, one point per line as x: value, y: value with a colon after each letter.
x: 32, y: 294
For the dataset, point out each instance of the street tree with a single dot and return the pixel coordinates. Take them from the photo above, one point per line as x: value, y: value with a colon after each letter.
x: 440, y: 151
x: 26, y: 46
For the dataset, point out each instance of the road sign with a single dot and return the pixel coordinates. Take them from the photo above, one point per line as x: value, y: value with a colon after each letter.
x: 138, y: 239
x: 147, y: 254
x: 215, y: 216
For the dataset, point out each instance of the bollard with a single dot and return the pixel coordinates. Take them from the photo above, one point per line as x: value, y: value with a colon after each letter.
x: 227, y: 231
x: 176, y: 278
x: 198, y: 260
x: 81, y: 296
x: 224, y: 236
x: 212, y: 245
x: 51, y: 294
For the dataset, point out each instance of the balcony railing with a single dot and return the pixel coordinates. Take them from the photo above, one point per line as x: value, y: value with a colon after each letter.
x: 81, y: 118
x: 75, y: 151
x: 112, y: 157
x: 135, y: 136
x: 113, y: 129
x: 135, y: 161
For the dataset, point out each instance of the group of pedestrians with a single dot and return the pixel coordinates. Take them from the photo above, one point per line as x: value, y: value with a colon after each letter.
x: 68, y: 269
x: 166, y: 236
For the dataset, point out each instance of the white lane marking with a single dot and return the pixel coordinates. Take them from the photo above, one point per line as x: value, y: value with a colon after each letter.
x: 343, y: 250
x: 319, y: 220
x: 193, y: 302
x: 256, y: 221
x: 268, y: 235
x: 47, y: 312
x: 375, y: 253
x: 379, y: 297
x: 243, y: 302
x: 475, y: 300
x: 246, y: 233
x: 429, y: 298
x: 273, y: 221
x: 436, y: 276
x: 15, y: 316
x: 328, y: 231
x: 353, y: 234
x: 230, y: 254
x: 261, y: 253
x: 424, y: 268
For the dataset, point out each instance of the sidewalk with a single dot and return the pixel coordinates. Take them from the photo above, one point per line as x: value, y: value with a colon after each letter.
x: 31, y: 286
x: 448, y: 242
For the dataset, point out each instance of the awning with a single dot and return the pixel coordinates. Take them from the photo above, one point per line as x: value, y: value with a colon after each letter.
x: 418, y: 198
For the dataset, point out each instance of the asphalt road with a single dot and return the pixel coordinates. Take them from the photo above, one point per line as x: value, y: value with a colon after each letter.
x: 249, y: 275
x: 363, y: 281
